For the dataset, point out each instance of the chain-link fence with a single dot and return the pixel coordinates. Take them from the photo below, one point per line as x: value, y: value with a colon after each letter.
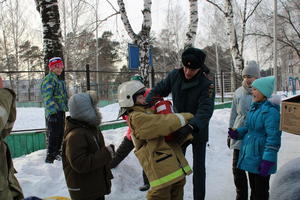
x: 26, y: 84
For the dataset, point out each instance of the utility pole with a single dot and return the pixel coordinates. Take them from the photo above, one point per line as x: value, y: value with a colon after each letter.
x: 218, y: 67
x: 275, y: 45
x: 97, y: 48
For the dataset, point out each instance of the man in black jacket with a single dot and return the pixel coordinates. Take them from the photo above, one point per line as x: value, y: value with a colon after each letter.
x: 191, y: 92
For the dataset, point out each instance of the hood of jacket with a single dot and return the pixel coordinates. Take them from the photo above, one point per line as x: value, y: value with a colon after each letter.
x: 273, y: 101
x: 83, y: 108
x: 74, y: 124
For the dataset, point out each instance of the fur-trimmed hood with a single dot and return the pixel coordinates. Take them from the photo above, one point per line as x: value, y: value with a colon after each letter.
x: 83, y: 107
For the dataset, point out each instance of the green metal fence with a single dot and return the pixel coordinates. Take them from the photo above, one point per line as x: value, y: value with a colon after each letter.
x: 22, y: 143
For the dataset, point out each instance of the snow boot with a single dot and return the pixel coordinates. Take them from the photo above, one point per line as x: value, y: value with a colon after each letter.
x: 144, y: 187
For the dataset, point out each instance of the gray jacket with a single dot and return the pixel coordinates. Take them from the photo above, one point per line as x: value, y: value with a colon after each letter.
x: 240, y: 106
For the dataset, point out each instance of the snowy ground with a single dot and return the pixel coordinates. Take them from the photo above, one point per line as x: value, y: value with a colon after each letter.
x: 44, y: 180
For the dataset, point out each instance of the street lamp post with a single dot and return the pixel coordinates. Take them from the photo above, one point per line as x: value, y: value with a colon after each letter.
x: 275, y: 45
x: 97, y: 47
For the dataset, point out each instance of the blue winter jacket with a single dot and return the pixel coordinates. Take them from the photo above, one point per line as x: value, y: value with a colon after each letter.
x: 261, y: 137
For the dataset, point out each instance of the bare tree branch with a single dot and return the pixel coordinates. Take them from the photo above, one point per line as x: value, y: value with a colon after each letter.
x: 253, y: 10
x: 116, y: 10
x: 219, y: 7
x: 286, y: 43
x: 289, y: 18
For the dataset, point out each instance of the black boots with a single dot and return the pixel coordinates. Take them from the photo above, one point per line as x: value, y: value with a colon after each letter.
x: 50, y: 157
x: 144, y: 187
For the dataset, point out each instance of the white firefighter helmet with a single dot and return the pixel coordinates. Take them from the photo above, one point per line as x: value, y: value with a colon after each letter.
x: 126, y: 91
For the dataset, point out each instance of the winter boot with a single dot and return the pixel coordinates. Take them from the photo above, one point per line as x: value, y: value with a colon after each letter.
x: 144, y: 187
x: 50, y: 158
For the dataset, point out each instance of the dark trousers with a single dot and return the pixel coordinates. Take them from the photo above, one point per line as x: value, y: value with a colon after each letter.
x: 199, y: 174
x: 259, y: 186
x: 55, y: 125
x: 240, y: 178
x: 122, y: 152
x: 171, y: 192
x: 101, y: 198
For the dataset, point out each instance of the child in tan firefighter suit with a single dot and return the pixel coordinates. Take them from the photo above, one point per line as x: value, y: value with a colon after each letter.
x: 9, y: 186
x: 162, y: 161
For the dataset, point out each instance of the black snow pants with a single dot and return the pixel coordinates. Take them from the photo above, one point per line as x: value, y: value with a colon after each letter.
x: 55, y: 125
x: 259, y: 186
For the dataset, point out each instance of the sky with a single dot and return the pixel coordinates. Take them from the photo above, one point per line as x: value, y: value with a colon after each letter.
x: 44, y: 180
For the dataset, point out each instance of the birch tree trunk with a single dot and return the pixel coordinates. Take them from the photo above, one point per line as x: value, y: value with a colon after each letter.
x: 142, y: 39
x: 233, y: 42
x: 191, y: 34
x: 49, y: 12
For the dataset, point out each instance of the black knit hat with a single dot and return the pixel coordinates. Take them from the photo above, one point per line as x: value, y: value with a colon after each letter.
x: 193, y: 58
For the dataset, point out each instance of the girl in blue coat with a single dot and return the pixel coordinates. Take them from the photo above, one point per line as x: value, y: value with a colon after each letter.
x: 260, y: 138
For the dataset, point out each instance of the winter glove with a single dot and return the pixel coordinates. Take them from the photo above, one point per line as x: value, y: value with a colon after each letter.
x: 228, y: 141
x: 265, y: 167
x: 233, y: 133
x: 181, y: 134
x: 111, y: 149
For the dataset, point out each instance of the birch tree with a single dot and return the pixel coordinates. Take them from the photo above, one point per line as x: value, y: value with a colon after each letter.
x: 236, y: 45
x: 191, y: 34
x: 141, y: 39
x: 52, y: 37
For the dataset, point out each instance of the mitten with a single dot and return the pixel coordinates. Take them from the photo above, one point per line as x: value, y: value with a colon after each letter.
x: 181, y: 134
x: 111, y: 149
x: 233, y: 133
x: 265, y: 167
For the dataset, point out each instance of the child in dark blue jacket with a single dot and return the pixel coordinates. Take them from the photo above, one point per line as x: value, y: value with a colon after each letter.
x: 260, y: 137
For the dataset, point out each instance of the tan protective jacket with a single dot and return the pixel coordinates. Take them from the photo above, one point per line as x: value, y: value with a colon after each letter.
x: 10, y: 188
x: 163, y: 162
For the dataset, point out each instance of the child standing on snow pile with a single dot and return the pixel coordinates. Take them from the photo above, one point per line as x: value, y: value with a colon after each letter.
x: 260, y: 137
x: 162, y: 161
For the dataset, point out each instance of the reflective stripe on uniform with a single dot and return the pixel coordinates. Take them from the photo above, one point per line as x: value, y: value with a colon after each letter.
x: 171, y: 176
x: 181, y: 119
x: 56, y: 198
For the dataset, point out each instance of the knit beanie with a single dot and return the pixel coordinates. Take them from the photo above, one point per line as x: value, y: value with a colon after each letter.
x: 252, y: 70
x: 53, y: 61
x: 265, y: 85
x: 137, y: 77
x: 193, y: 58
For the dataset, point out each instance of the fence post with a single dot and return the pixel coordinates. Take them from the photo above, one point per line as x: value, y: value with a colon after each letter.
x: 88, y: 83
x: 152, y: 82
x: 222, y: 86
